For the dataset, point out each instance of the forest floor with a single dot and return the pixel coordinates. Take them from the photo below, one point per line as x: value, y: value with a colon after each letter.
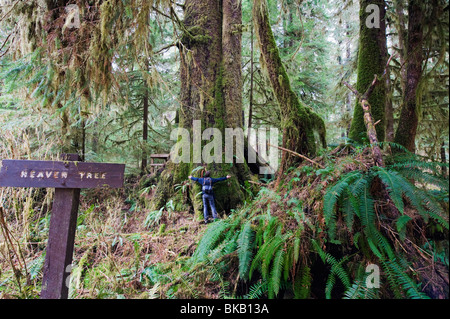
x: 115, y: 251
x: 122, y: 245
x: 125, y: 250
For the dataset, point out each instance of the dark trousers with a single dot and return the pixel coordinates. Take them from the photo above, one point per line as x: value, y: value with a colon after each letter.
x: 209, y: 198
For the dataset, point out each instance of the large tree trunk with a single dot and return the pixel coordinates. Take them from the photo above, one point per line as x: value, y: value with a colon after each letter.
x: 298, y: 121
x: 407, y: 127
x: 211, y: 84
x: 372, y: 59
x: 232, y: 57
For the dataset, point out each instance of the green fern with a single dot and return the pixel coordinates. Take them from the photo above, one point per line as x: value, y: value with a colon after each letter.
x: 257, y: 290
x: 394, y: 185
x: 210, y: 240
x: 401, y: 223
x: 329, y: 285
x: 331, y: 198
x: 245, y: 249
x: 359, y: 290
x: 275, y: 275
x: 336, y: 269
x: 265, y: 254
x: 408, y: 285
x: 302, y: 283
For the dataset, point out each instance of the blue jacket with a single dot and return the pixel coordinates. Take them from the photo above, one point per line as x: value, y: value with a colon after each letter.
x: 213, y: 180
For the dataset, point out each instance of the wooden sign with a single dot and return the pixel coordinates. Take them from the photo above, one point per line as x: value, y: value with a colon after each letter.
x: 67, y: 177
x: 65, y: 174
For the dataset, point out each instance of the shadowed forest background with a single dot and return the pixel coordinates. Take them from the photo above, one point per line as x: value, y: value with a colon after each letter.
x: 357, y: 89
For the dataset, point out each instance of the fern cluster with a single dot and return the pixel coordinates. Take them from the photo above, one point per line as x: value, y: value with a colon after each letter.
x: 268, y: 255
x: 368, y: 215
x: 351, y: 201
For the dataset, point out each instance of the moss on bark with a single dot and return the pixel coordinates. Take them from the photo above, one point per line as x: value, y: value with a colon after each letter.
x: 372, y: 58
x: 299, y: 122
x: 211, y: 93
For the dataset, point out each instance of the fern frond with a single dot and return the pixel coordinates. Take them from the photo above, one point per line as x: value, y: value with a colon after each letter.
x: 414, y: 163
x: 393, y: 185
x: 245, y: 249
x: 359, y: 291
x: 329, y: 285
x: 224, y: 247
x: 336, y: 266
x: 302, y: 283
x: 257, y: 290
x: 275, y: 275
x: 210, y: 239
x: 424, y: 177
x: 434, y: 210
x: 425, y: 205
x: 270, y: 252
x: 367, y: 211
x: 384, y: 245
x: 401, y: 223
x: 331, y: 198
x: 272, y: 228
x: 412, y: 290
x: 392, y: 280
x: 354, y: 292
x: 256, y: 263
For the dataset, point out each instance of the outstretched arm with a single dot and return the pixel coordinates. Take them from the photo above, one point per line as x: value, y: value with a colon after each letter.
x: 195, y: 179
x: 215, y: 180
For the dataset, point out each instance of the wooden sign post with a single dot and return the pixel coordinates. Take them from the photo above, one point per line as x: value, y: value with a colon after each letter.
x: 67, y: 177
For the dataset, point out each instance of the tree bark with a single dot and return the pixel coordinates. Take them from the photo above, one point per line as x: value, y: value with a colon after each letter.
x: 372, y: 57
x: 408, y: 122
x: 211, y: 84
x: 400, y: 26
x: 232, y: 57
x: 299, y: 122
x: 252, y: 66
x: 144, y: 161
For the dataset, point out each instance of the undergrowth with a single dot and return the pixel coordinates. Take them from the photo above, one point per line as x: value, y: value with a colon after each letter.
x: 321, y: 233
x: 332, y: 224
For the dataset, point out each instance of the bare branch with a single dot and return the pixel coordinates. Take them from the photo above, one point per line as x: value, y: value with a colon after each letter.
x: 297, y: 154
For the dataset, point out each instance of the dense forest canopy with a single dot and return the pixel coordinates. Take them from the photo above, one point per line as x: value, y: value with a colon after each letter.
x: 357, y: 91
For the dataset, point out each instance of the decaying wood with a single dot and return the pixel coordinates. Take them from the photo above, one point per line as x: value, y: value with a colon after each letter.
x: 368, y: 119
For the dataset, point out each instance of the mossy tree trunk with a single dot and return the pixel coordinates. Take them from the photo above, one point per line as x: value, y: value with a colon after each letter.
x: 299, y: 122
x: 211, y: 84
x: 408, y: 122
x: 372, y: 57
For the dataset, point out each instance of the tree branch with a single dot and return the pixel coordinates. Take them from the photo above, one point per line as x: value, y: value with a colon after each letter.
x: 297, y: 154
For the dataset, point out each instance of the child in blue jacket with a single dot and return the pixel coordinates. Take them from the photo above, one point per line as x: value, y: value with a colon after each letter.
x: 207, y: 192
